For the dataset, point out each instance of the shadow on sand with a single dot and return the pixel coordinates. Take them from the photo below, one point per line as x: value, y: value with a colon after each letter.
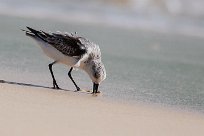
x: 40, y: 86
x: 26, y: 84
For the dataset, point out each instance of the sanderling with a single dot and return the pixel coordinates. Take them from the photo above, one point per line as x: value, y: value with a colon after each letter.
x: 73, y: 51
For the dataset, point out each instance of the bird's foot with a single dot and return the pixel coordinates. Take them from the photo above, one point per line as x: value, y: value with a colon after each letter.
x: 78, y: 89
x: 56, y: 87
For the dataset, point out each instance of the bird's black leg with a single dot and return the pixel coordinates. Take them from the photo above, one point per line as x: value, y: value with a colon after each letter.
x: 55, y: 86
x: 70, y: 76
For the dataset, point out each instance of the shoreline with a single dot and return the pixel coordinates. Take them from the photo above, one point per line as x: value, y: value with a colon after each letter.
x: 27, y: 110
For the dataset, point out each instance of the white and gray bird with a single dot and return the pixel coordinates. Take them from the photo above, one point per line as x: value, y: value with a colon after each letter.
x: 73, y: 51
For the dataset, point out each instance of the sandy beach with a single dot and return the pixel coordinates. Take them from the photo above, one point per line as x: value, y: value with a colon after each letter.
x: 37, y: 111
x: 153, y: 55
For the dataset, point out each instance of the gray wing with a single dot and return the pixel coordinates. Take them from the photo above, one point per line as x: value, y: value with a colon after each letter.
x: 67, y: 44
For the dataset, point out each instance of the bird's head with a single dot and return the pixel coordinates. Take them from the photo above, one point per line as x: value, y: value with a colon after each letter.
x: 96, y: 72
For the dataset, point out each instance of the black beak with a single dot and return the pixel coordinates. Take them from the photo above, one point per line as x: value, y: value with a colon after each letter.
x: 95, y: 88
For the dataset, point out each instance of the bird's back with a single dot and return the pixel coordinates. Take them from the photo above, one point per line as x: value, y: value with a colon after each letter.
x: 67, y: 44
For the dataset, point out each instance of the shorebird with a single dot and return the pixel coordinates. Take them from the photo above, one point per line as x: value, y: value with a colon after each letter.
x: 73, y: 51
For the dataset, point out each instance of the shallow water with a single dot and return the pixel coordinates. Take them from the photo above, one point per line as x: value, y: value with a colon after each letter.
x: 142, y: 66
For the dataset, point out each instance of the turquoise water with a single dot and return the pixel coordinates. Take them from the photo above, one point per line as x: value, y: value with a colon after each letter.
x: 142, y: 66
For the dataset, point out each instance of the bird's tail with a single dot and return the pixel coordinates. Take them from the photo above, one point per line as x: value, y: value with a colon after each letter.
x: 29, y: 33
x: 35, y: 34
